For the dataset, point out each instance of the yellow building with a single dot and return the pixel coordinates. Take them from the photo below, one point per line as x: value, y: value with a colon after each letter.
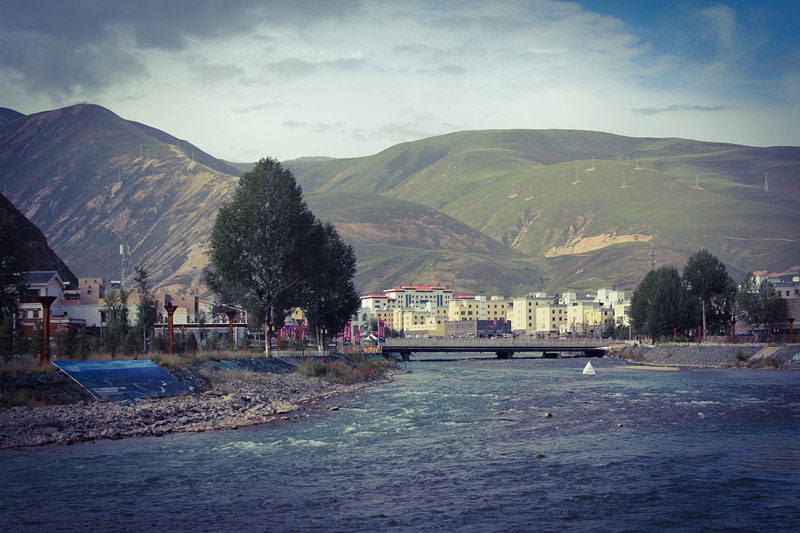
x: 496, y: 309
x: 420, y: 323
x: 550, y: 318
x: 523, y: 318
x: 465, y: 307
x: 386, y: 315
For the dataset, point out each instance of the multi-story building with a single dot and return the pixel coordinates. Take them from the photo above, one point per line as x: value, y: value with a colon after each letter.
x: 586, y: 317
x: 476, y: 328
x: 466, y: 307
x: 417, y: 296
x: 375, y: 301
x: 551, y: 319
x: 523, y: 321
x: 497, y: 308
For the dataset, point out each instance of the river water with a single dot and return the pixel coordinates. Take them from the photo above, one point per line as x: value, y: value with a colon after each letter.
x: 460, y: 445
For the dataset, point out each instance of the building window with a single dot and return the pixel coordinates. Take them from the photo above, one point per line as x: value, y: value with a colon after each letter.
x: 89, y: 291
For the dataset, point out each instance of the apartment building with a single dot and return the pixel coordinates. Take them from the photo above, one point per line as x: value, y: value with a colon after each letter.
x: 523, y: 320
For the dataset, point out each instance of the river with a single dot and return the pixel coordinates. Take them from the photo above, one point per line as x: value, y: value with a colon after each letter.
x: 460, y: 445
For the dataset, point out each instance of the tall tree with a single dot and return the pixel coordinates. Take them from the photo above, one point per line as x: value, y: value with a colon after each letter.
x: 760, y: 303
x: 708, y: 282
x: 258, y: 244
x: 14, y: 261
x: 116, y: 309
x: 659, y: 304
x: 146, y: 308
x: 329, y: 296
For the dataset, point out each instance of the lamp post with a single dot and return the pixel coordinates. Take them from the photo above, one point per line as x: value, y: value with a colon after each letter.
x: 170, y: 311
x: 230, y: 314
x: 45, y: 302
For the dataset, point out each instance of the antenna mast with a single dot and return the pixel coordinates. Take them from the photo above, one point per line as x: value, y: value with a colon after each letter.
x: 653, y: 259
x: 124, y: 251
x: 766, y: 183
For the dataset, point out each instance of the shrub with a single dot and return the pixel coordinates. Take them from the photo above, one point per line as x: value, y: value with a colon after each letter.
x: 312, y: 368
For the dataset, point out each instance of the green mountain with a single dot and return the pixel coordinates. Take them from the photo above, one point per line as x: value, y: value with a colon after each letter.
x: 597, y: 202
x: 500, y: 211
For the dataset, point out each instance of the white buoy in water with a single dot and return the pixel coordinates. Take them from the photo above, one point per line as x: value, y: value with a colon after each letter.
x: 588, y: 370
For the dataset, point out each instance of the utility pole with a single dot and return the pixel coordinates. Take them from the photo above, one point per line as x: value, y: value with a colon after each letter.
x: 124, y: 251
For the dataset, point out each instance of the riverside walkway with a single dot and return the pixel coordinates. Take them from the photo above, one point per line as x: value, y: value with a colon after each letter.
x: 505, y: 348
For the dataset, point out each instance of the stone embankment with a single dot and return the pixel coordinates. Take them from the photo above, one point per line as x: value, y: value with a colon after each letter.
x: 708, y: 355
x: 223, y: 399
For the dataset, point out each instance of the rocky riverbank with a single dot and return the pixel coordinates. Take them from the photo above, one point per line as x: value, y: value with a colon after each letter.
x: 222, y: 399
x: 708, y: 355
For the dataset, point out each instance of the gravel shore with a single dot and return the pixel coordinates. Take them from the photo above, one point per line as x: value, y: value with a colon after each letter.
x: 707, y: 355
x: 222, y: 399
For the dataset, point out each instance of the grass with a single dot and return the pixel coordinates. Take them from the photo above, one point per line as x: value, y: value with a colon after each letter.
x: 354, y: 368
x: 25, y: 366
x: 224, y: 380
x: 21, y: 397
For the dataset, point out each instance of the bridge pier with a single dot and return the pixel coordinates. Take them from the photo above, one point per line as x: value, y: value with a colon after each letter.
x: 505, y: 354
x: 405, y: 356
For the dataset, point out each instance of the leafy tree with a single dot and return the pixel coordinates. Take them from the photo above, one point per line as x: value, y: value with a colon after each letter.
x: 66, y: 343
x: 709, y: 284
x: 191, y: 342
x: 329, y: 297
x: 146, y: 308
x: 116, y: 309
x: 14, y: 262
x: 258, y: 244
x: 760, y: 303
x: 659, y: 304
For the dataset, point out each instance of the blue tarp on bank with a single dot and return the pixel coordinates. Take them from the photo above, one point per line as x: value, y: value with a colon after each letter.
x: 122, y: 380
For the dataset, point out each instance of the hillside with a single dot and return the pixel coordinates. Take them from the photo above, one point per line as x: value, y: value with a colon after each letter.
x: 40, y: 255
x: 577, y: 195
x: 398, y: 242
x: 92, y: 181
x: 500, y: 211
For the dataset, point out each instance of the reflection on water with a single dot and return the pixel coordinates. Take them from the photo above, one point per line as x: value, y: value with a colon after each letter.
x: 454, y: 445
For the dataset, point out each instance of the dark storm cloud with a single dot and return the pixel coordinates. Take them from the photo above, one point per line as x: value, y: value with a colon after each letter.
x: 647, y: 111
x: 62, y: 47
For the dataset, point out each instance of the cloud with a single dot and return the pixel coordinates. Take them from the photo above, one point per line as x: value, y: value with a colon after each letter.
x: 256, y: 107
x: 292, y: 68
x: 647, y: 111
x: 65, y: 48
x: 720, y: 24
x: 451, y: 69
x: 212, y: 73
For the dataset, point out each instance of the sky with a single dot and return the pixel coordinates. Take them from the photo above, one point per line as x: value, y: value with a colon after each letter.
x: 248, y: 79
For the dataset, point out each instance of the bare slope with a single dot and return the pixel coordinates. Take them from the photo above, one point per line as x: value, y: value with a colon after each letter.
x: 91, y: 181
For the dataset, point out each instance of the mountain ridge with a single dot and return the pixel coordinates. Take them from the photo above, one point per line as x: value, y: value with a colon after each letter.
x: 503, y: 211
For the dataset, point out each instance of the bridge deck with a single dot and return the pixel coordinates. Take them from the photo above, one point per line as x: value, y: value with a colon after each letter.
x: 494, y: 345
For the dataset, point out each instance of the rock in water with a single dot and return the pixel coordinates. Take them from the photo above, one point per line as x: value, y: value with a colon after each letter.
x: 588, y: 370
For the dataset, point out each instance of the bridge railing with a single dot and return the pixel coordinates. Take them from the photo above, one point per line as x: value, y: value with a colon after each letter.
x: 499, y: 342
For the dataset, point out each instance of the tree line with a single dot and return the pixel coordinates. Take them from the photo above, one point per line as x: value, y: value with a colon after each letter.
x: 703, y: 299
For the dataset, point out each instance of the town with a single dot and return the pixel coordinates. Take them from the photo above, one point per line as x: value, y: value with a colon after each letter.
x: 411, y: 311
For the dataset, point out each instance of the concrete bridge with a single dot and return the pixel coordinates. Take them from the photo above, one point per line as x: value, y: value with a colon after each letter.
x: 505, y: 348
